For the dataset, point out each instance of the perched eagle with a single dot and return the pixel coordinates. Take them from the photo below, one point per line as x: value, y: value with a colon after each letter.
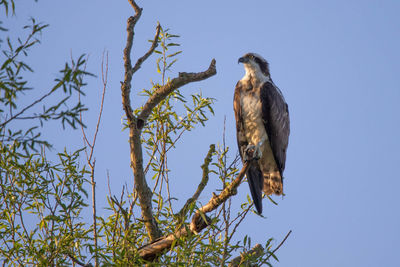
x: 262, y: 127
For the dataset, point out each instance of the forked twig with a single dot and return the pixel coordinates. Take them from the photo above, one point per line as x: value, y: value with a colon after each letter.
x: 89, y: 156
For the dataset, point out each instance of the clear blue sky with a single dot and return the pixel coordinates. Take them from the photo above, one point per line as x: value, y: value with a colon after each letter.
x: 337, y: 63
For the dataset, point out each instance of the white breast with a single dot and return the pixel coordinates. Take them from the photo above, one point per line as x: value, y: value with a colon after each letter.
x: 252, y: 116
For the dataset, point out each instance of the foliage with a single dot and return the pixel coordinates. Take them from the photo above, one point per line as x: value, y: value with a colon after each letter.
x: 40, y: 223
x: 14, y: 87
x: 41, y: 200
x: 7, y: 4
x: 44, y: 201
x: 165, y: 125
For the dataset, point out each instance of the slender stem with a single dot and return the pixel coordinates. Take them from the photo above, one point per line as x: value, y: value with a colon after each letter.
x: 280, y: 244
x: 26, y: 108
x: 92, y: 179
x: 89, y: 156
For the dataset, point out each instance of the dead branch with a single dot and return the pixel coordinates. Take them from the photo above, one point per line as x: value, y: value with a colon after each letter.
x: 151, y: 50
x: 126, y: 85
x: 89, y: 157
x: 136, y: 124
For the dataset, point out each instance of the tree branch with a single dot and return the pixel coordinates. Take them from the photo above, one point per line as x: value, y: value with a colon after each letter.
x: 26, y: 108
x: 155, y: 248
x: 89, y: 157
x: 163, y: 91
x: 137, y: 9
x: 126, y: 85
x: 280, y: 244
x: 217, y: 200
x: 151, y: 50
x: 141, y: 186
x: 135, y: 125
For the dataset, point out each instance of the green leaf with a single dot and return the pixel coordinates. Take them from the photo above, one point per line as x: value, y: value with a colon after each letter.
x: 173, y: 44
x: 174, y: 54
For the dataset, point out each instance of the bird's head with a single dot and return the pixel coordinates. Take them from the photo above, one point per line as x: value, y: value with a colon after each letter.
x: 255, y: 63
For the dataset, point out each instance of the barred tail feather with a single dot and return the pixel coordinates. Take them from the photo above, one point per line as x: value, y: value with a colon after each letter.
x: 273, y: 183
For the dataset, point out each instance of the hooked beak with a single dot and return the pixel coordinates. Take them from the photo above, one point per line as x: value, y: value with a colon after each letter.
x: 243, y: 60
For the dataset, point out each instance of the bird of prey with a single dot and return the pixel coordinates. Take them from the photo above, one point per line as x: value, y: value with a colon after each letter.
x: 262, y: 128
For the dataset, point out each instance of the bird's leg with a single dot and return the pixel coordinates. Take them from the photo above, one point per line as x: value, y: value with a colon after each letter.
x: 249, y: 152
x: 253, y: 151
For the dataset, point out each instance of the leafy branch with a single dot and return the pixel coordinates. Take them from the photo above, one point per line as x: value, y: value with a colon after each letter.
x: 13, y: 86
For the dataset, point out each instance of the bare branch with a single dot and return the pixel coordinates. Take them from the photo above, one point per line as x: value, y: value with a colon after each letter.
x: 163, y: 91
x: 126, y: 85
x: 151, y: 50
x: 104, y: 78
x: 137, y: 9
x: 280, y: 244
x: 92, y: 162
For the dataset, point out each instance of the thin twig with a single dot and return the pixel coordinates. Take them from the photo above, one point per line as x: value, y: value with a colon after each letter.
x: 92, y: 162
x: 151, y: 50
x: 104, y: 78
x: 280, y: 244
x: 11, y: 59
x: 27, y: 107
x: 95, y: 237
x: 241, y: 216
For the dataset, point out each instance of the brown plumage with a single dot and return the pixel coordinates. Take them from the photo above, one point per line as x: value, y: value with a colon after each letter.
x: 262, y: 124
